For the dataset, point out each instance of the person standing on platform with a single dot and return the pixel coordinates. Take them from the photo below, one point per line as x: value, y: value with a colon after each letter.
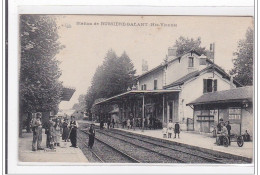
x: 65, y: 130
x: 91, y: 136
x: 73, y: 132
x: 128, y: 123
x: 108, y: 123
x: 37, y: 133
x: 113, y: 123
x: 228, y: 126
x: 177, y: 129
x: 52, y: 134
x: 57, y: 128
x: 47, y: 131
x: 170, y: 129
x: 101, y: 124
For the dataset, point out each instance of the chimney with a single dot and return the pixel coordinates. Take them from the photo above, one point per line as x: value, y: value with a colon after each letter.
x: 172, y: 52
x: 144, y: 66
x: 211, y: 52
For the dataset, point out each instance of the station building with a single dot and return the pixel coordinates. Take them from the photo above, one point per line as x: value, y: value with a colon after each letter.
x: 234, y: 105
x: 162, y: 94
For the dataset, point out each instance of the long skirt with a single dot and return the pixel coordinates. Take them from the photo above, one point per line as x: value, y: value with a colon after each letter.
x: 65, y: 133
x: 57, y: 136
x: 73, y: 137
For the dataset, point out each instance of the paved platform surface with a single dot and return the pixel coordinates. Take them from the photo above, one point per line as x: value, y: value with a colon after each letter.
x: 198, y: 140
x: 64, y: 153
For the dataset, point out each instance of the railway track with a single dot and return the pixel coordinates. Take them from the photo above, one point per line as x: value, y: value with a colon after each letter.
x: 181, y: 157
x: 156, y: 143
x: 93, y: 153
x: 179, y: 153
x: 207, y: 156
x: 107, y: 153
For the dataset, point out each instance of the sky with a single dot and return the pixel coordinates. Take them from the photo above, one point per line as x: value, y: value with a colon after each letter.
x: 87, y: 39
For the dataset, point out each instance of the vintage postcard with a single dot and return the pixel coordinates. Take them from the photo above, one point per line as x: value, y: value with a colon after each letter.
x: 136, y: 89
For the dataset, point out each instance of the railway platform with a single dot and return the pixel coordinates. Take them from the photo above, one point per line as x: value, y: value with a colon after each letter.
x: 197, y: 141
x: 200, y: 141
x: 64, y: 153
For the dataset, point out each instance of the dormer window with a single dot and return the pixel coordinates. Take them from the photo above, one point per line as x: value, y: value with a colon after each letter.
x: 191, y: 61
x: 209, y: 85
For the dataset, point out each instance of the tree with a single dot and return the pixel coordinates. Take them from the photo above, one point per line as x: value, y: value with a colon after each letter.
x: 113, y: 77
x: 39, y: 87
x: 244, y: 58
x: 186, y: 44
x: 81, y: 105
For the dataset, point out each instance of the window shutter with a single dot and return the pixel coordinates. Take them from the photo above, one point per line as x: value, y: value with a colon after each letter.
x: 204, y: 85
x: 215, y: 85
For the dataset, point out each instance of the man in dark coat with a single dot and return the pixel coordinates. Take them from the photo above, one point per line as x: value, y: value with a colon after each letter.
x: 108, y: 123
x: 177, y: 130
x: 101, y: 124
x: 228, y: 129
x: 65, y: 130
x: 73, y: 132
x: 91, y: 136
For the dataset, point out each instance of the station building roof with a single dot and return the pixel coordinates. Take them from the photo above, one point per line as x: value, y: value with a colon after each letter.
x: 232, y: 95
x: 136, y: 94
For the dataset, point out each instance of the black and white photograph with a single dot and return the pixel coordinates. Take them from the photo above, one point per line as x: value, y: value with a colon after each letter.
x: 135, y: 89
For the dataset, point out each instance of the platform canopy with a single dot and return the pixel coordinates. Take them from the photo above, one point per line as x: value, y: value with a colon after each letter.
x: 133, y: 94
x: 67, y: 93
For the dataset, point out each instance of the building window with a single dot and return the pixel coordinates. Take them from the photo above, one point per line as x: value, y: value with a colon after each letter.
x: 234, y: 113
x: 209, y: 85
x: 191, y: 62
x: 144, y: 86
x: 155, y: 84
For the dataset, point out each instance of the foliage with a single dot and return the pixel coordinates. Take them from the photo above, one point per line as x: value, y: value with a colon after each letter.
x: 39, y: 87
x: 186, y: 44
x: 81, y: 105
x: 244, y: 58
x: 113, y: 77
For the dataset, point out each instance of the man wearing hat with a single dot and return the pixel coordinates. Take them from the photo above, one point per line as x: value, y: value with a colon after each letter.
x: 219, y: 126
x: 37, y: 132
x: 65, y: 129
x: 91, y: 136
x: 73, y: 132
x: 177, y: 129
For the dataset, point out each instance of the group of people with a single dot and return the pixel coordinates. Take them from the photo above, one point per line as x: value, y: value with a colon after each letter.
x: 224, y: 128
x: 54, y: 129
x: 108, y: 124
x: 149, y: 123
x: 167, y: 132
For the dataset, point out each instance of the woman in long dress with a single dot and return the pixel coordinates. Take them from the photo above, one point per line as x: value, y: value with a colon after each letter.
x: 65, y: 133
x: 73, y: 132
x: 57, y: 128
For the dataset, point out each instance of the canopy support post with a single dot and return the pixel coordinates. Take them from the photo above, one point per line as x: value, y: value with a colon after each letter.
x: 143, y: 115
x: 163, y: 110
